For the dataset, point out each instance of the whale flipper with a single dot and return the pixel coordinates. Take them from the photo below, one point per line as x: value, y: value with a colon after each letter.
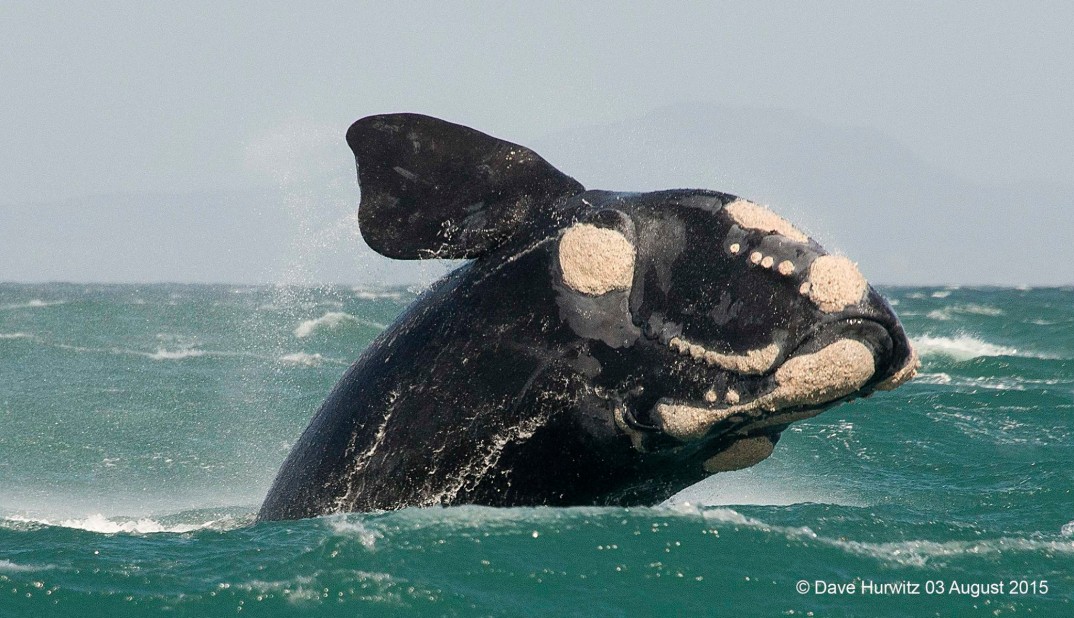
x: 434, y: 189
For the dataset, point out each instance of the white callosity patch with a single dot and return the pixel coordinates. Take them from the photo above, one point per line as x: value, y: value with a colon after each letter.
x: 741, y: 454
x: 596, y: 260
x: 753, y: 216
x: 753, y: 362
x: 810, y: 379
x: 834, y: 283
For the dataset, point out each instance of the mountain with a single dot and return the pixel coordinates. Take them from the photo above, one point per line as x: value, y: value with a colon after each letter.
x: 856, y: 190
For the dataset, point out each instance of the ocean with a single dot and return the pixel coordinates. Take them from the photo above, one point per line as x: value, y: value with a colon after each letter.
x: 140, y: 427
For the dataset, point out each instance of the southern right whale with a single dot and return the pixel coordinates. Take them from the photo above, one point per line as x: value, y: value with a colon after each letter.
x: 598, y: 348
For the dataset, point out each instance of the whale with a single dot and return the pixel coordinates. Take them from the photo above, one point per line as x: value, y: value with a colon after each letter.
x: 594, y: 348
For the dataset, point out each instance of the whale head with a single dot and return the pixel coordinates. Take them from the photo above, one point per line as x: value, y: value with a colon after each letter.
x: 721, y: 322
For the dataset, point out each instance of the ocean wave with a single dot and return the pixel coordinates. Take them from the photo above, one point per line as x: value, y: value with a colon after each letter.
x: 1068, y: 529
x: 911, y: 553
x: 354, y: 528
x: 118, y: 525
x: 163, y: 354
x: 35, y: 303
x: 948, y: 313
x: 964, y: 347
x: 999, y: 383
x: 10, y: 567
x: 302, y: 358
x: 16, y: 336
x: 332, y: 320
x: 376, y: 294
x: 303, y: 589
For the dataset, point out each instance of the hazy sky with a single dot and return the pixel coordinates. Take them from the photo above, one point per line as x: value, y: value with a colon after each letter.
x: 109, y: 98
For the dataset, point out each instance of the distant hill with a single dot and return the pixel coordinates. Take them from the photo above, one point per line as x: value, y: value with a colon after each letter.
x: 298, y: 235
x: 855, y: 189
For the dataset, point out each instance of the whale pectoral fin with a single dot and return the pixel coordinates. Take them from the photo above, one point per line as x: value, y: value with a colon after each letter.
x: 434, y: 189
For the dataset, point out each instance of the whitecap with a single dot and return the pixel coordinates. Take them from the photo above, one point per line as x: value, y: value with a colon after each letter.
x: 163, y: 354
x: 1067, y: 529
x: 941, y: 294
x: 974, y: 309
x: 302, y: 358
x: 345, y: 526
x: 16, y: 336
x: 376, y: 294
x: 34, y: 303
x: 104, y: 525
x: 962, y: 347
x: 933, y: 378
x: 947, y: 313
x: 11, y: 567
x: 331, y: 320
x: 912, y: 553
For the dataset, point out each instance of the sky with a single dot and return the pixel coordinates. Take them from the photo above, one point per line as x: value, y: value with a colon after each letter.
x: 188, y: 98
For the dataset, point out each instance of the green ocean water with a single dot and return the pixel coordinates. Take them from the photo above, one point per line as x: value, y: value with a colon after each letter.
x: 140, y: 427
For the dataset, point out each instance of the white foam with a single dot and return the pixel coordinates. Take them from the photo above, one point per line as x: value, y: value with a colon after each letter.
x: 162, y: 354
x: 302, y: 358
x: 973, y: 309
x: 340, y: 524
x: 948, y: 313
x: 104, y: 525
x: 913, y: 553
x: 933, y: 378
x: 35, y: 303
x: 16, y: 336
x: 10, y: 567
x: 998, y: 383
x: 1067, y: 529
x: 330, y: 320
x: 376, y: 294
x: 961, y: 347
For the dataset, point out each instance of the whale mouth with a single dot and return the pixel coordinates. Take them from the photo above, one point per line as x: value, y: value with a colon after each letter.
x: 836, y: 362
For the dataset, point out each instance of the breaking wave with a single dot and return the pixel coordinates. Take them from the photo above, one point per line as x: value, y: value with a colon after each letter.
x: 118, y: 525
x: 163, y: 354
x: 949, y: 313
x: 330, y: 320
x: 911, y: 553
x: 965, y: 347
x: 16, y: 336
x: 34, y: 303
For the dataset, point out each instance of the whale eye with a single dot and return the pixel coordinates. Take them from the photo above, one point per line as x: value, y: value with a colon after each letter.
x: 595, y: 260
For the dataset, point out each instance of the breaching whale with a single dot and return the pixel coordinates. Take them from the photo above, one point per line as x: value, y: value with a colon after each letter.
x: 597, y: 348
